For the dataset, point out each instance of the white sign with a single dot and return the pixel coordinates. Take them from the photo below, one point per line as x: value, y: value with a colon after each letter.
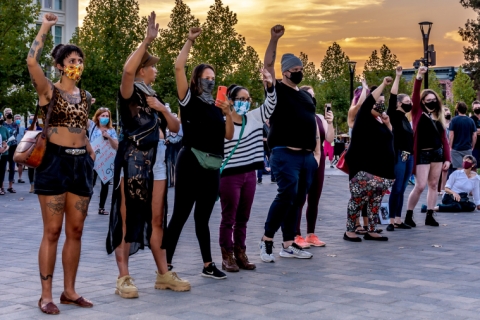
x: 105, y: 157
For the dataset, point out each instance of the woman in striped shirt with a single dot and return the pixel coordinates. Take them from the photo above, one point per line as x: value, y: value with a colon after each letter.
x: 238, y: 180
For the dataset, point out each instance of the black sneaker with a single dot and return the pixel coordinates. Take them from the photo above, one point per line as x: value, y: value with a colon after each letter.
x: 169, y: 267
x: 21, y: 181
x: 212, y: 272
x: 259, y: 181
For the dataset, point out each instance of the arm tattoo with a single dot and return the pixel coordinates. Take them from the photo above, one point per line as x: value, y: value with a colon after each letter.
x: 274, y: 55
x: 82, y: 205
x: 51, y: 131
x: 39, y: 54
x: 56, y: 205
x: 35, y: 44
x: 75, y: 130
x: 45, y: 278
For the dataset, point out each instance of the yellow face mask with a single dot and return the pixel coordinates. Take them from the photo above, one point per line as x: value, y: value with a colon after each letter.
x: 74, y: 72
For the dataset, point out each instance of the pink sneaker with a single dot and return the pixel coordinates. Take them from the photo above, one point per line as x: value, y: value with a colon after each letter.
x: 301, y: 242
x: 313, y: 240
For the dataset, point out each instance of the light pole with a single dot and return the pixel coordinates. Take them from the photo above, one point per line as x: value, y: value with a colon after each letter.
x: 351, y: 68
x: 425, y: 37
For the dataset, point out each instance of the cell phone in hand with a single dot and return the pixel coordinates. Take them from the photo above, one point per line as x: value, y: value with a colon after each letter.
x: 328, y: 107
x: 221, y: 93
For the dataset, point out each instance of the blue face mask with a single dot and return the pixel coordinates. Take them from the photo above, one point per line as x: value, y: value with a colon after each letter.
x: 17, y: 122
x: 30, y: 121
x: 241, y: 107
x: 104, y: 121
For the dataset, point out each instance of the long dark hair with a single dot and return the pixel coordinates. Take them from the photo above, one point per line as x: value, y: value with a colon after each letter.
x: 195, y: 86
x: 63, y: 51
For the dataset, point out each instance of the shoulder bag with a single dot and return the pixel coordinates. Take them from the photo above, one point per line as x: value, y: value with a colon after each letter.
x: 342, y: 164
x: 31, y: 149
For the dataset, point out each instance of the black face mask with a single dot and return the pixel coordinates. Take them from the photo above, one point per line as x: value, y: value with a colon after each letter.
x: 315, y: 102
x: 296, y: 77
x: 9, y: 116
x: 449, y: 116
x: 379, y: 107
x: 476, y: 111
x: 431, y: 106
x: 1, y: 122
x: 406, y: 107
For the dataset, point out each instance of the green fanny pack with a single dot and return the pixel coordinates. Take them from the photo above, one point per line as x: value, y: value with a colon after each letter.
x: 208, y: 160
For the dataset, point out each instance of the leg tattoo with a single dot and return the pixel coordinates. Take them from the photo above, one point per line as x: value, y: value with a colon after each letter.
x: 82, y: 205
x: 56, y: 205
x: 46, y: 277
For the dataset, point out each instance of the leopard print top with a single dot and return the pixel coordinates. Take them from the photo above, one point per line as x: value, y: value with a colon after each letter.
x: 66, y: 114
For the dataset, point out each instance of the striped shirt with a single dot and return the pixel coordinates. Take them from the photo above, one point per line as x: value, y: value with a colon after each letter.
x: 249, y: 154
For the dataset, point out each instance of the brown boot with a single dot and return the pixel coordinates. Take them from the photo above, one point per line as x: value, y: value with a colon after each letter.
x: 228, y: 261
x: 242, y: 259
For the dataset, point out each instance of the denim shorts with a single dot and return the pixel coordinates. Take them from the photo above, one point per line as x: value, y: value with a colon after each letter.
x: 429, y: 156
x: 61, y: 172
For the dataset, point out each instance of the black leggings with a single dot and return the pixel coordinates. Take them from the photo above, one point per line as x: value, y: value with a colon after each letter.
x: 11, y: 163
x: 31, y: 174
x: 3, y: 167
x: 197, y: 186
x: 103, y: 190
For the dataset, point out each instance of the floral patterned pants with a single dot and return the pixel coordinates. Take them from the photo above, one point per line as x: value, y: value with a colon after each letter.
x: 367, y: 190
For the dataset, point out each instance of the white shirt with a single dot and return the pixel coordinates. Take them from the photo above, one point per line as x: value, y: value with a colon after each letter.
x: 459, y: 182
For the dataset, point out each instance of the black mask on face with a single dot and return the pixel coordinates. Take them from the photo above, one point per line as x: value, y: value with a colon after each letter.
x: 449, y: 116
x: 476, y: 111
x: 315, y: 102
x: 379, y: 107
x: 296, y: 77
x: 431, y: 106
x: 1, y: 122
x: 9, y: 116
x: 407, y: 107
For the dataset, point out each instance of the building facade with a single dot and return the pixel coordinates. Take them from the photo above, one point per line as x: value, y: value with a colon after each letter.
x: 67, y: 13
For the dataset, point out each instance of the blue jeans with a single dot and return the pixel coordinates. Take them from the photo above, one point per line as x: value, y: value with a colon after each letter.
x: 294, y: 171
x: 403, y: 171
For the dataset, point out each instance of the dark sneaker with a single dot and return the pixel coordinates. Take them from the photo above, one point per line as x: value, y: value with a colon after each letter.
x: 390, y: 227
x: 212, y: 272
x: 259, y: 181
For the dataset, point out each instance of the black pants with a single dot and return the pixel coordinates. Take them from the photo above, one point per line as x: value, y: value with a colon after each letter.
x: 3, y: 167
x: 31, y: 173
x: 103, y: 190
x: 450, y: 205
x: 197, y: 186
x: 11, y: 163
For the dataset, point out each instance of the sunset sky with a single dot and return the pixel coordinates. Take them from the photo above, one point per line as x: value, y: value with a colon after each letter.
x: 359, y: 26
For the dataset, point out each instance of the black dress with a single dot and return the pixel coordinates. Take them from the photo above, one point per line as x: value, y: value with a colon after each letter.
x: 137, y: 165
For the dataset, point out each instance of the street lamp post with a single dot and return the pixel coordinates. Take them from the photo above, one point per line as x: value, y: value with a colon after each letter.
x: 351, y: 68
x: 425, y: 38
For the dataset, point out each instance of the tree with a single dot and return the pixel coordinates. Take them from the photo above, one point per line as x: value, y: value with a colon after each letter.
x: 311, y: 76
x: 111, y: 31
x: 471, y: 34
x: 335, y: 84
x: 462, y: 88
x: 378, y: 67
x: 16, y: 34
x: 167, y: 47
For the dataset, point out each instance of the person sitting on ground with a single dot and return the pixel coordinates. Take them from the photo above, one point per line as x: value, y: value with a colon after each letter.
x: 459, y: 185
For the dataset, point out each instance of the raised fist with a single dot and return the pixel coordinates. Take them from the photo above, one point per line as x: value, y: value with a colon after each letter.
x: 277, y: 31
x: 49, y: 19
x: 194, y: 33
x: 422, y: 70
x: 399, y: 71
x: 387, y: 81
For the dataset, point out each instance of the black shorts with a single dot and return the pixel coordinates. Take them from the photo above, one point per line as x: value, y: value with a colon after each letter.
x: 61, y: 172
x: 429, y: 156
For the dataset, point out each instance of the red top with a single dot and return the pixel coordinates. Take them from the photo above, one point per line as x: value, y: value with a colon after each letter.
x: 416, y: 115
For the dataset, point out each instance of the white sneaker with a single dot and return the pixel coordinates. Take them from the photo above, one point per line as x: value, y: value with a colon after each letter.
x: 266, y: 251
x: 294, y: 251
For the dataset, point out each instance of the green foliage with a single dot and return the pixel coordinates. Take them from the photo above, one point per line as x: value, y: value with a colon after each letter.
x: 378, y: 67
x: 335, y: 85
x: 16, y: 17
x: 471, y: 34
x: 169, y: 43
x: 111, y: 31
x: 462, y: 88
x: 311, y: 76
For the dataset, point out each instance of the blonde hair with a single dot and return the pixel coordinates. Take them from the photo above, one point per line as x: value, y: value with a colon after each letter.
x: 97, y: 115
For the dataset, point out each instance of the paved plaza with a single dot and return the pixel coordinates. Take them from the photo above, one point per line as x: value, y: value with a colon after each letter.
x: 424, y: 273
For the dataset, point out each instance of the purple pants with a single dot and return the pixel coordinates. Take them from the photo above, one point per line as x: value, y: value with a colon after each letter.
x: 236, y: 197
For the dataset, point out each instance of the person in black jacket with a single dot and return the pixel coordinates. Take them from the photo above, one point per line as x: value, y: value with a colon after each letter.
x: 371, y: 160
x: 398, y: 106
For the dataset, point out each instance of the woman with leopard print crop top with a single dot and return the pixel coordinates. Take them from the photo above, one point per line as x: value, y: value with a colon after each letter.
x: 63, y: 181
